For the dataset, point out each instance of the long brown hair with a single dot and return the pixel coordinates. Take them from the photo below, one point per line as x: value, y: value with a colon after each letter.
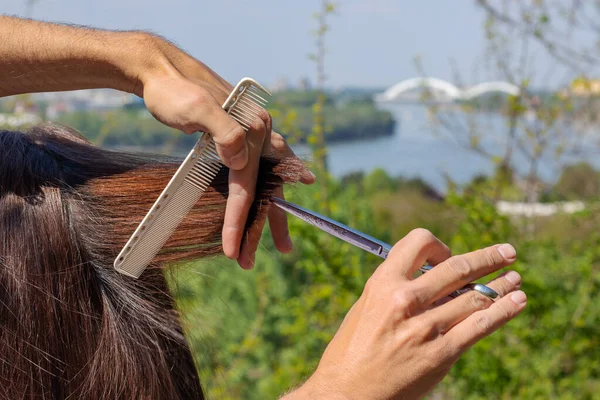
x: 71, y: 326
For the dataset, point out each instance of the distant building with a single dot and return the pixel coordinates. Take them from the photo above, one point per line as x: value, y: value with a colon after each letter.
x: 584, y: 87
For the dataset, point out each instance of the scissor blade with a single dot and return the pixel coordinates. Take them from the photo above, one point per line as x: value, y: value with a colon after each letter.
x: 337, y: 229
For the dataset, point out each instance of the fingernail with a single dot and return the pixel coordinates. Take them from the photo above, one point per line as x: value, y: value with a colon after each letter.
x: 518, y: 297
x: 507, y: 251
x: 514, y: 278
x: 308, y: 175
x: 245, y: 263
x: 240, y: 160
x: 232, y: 256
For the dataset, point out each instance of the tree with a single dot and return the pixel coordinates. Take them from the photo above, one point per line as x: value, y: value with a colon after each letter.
x: 317, y: 138
x: 539, y: 126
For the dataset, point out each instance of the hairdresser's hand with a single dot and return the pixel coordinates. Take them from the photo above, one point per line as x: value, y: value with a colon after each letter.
x: 179, y: 91
x: 399, y: 340
x: 188, y: 96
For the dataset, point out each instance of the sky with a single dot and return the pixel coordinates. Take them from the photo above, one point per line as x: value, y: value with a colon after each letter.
x: 372, y: 43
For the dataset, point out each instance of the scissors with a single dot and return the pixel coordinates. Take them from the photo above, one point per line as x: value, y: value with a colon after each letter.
x: 363, y: 241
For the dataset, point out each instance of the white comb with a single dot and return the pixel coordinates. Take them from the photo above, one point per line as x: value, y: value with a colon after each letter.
x: 188, y: 184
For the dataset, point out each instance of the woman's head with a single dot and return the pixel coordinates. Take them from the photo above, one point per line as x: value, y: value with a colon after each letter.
x: 72, y: 325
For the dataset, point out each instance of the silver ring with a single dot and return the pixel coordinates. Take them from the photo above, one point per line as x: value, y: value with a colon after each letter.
x: 484, y: 290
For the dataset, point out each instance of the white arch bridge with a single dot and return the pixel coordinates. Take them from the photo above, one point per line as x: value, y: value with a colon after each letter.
x: 443, y: 91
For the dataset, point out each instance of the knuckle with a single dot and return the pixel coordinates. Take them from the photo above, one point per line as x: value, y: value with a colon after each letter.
x: 423, y: 236
x: 267, y: 119
x: 422, y: 332
x: 188, y: 128
x: 490, y: 257
x: 483, y: 322
x: 461, y: 266
x: 505, y: 312
x: 428, y: 329
x: 502, y: 287
x: 446, y: 249
x: 242, y: 193
x: 277, y: 140
x: 235, y: 136
x: 478, y: 301
x: 258, y: 125
x: 264, y: 116
x: 201, y: 98
x: 404, y: 302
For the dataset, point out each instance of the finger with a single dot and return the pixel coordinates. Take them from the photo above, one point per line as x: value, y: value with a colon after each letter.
x: 458, y: 271
x: 279, y: 225
x: 229, y: 136
x: 242, y: 188
x: 410, y: 253
x: 251, y: 238
x: 250, y: 243
x: 281, y: 149
x: 460, y: 308
x: 482, y: 323
x: 308, y: 178
x: 268, y: 121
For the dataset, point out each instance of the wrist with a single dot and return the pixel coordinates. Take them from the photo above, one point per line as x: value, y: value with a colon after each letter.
x: 314, y: 389
x: 142, y: 57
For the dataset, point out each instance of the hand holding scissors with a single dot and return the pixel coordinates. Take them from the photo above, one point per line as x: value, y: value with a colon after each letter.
x: 401, y: 337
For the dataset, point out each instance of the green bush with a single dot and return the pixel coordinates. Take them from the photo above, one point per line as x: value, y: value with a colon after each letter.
x: 578, y: 182
x: 256, y: 334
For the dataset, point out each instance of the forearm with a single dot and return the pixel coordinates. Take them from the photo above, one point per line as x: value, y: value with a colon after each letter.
x: 44, y: 57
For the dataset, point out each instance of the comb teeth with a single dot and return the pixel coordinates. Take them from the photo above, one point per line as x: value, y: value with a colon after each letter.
x: 247, y: 106
x: 206, y: 168
x: 154, y: 233
x: 194, y: 176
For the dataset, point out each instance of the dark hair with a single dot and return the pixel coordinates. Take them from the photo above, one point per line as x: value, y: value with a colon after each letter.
x: 71, y: 326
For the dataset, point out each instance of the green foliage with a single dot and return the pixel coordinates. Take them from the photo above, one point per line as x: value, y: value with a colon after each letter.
x: 551, y: 350
x: 578, y: 182
x: 256, y: 334
x: 300, y: 98
x: 479, y: 225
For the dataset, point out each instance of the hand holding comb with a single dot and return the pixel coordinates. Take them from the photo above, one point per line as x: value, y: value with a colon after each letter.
x: 188, y: 184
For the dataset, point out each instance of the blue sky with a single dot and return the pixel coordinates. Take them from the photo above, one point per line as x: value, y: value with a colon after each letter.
x: 372, y: 42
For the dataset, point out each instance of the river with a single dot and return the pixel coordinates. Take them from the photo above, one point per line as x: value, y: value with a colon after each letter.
x: 416, y: 150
